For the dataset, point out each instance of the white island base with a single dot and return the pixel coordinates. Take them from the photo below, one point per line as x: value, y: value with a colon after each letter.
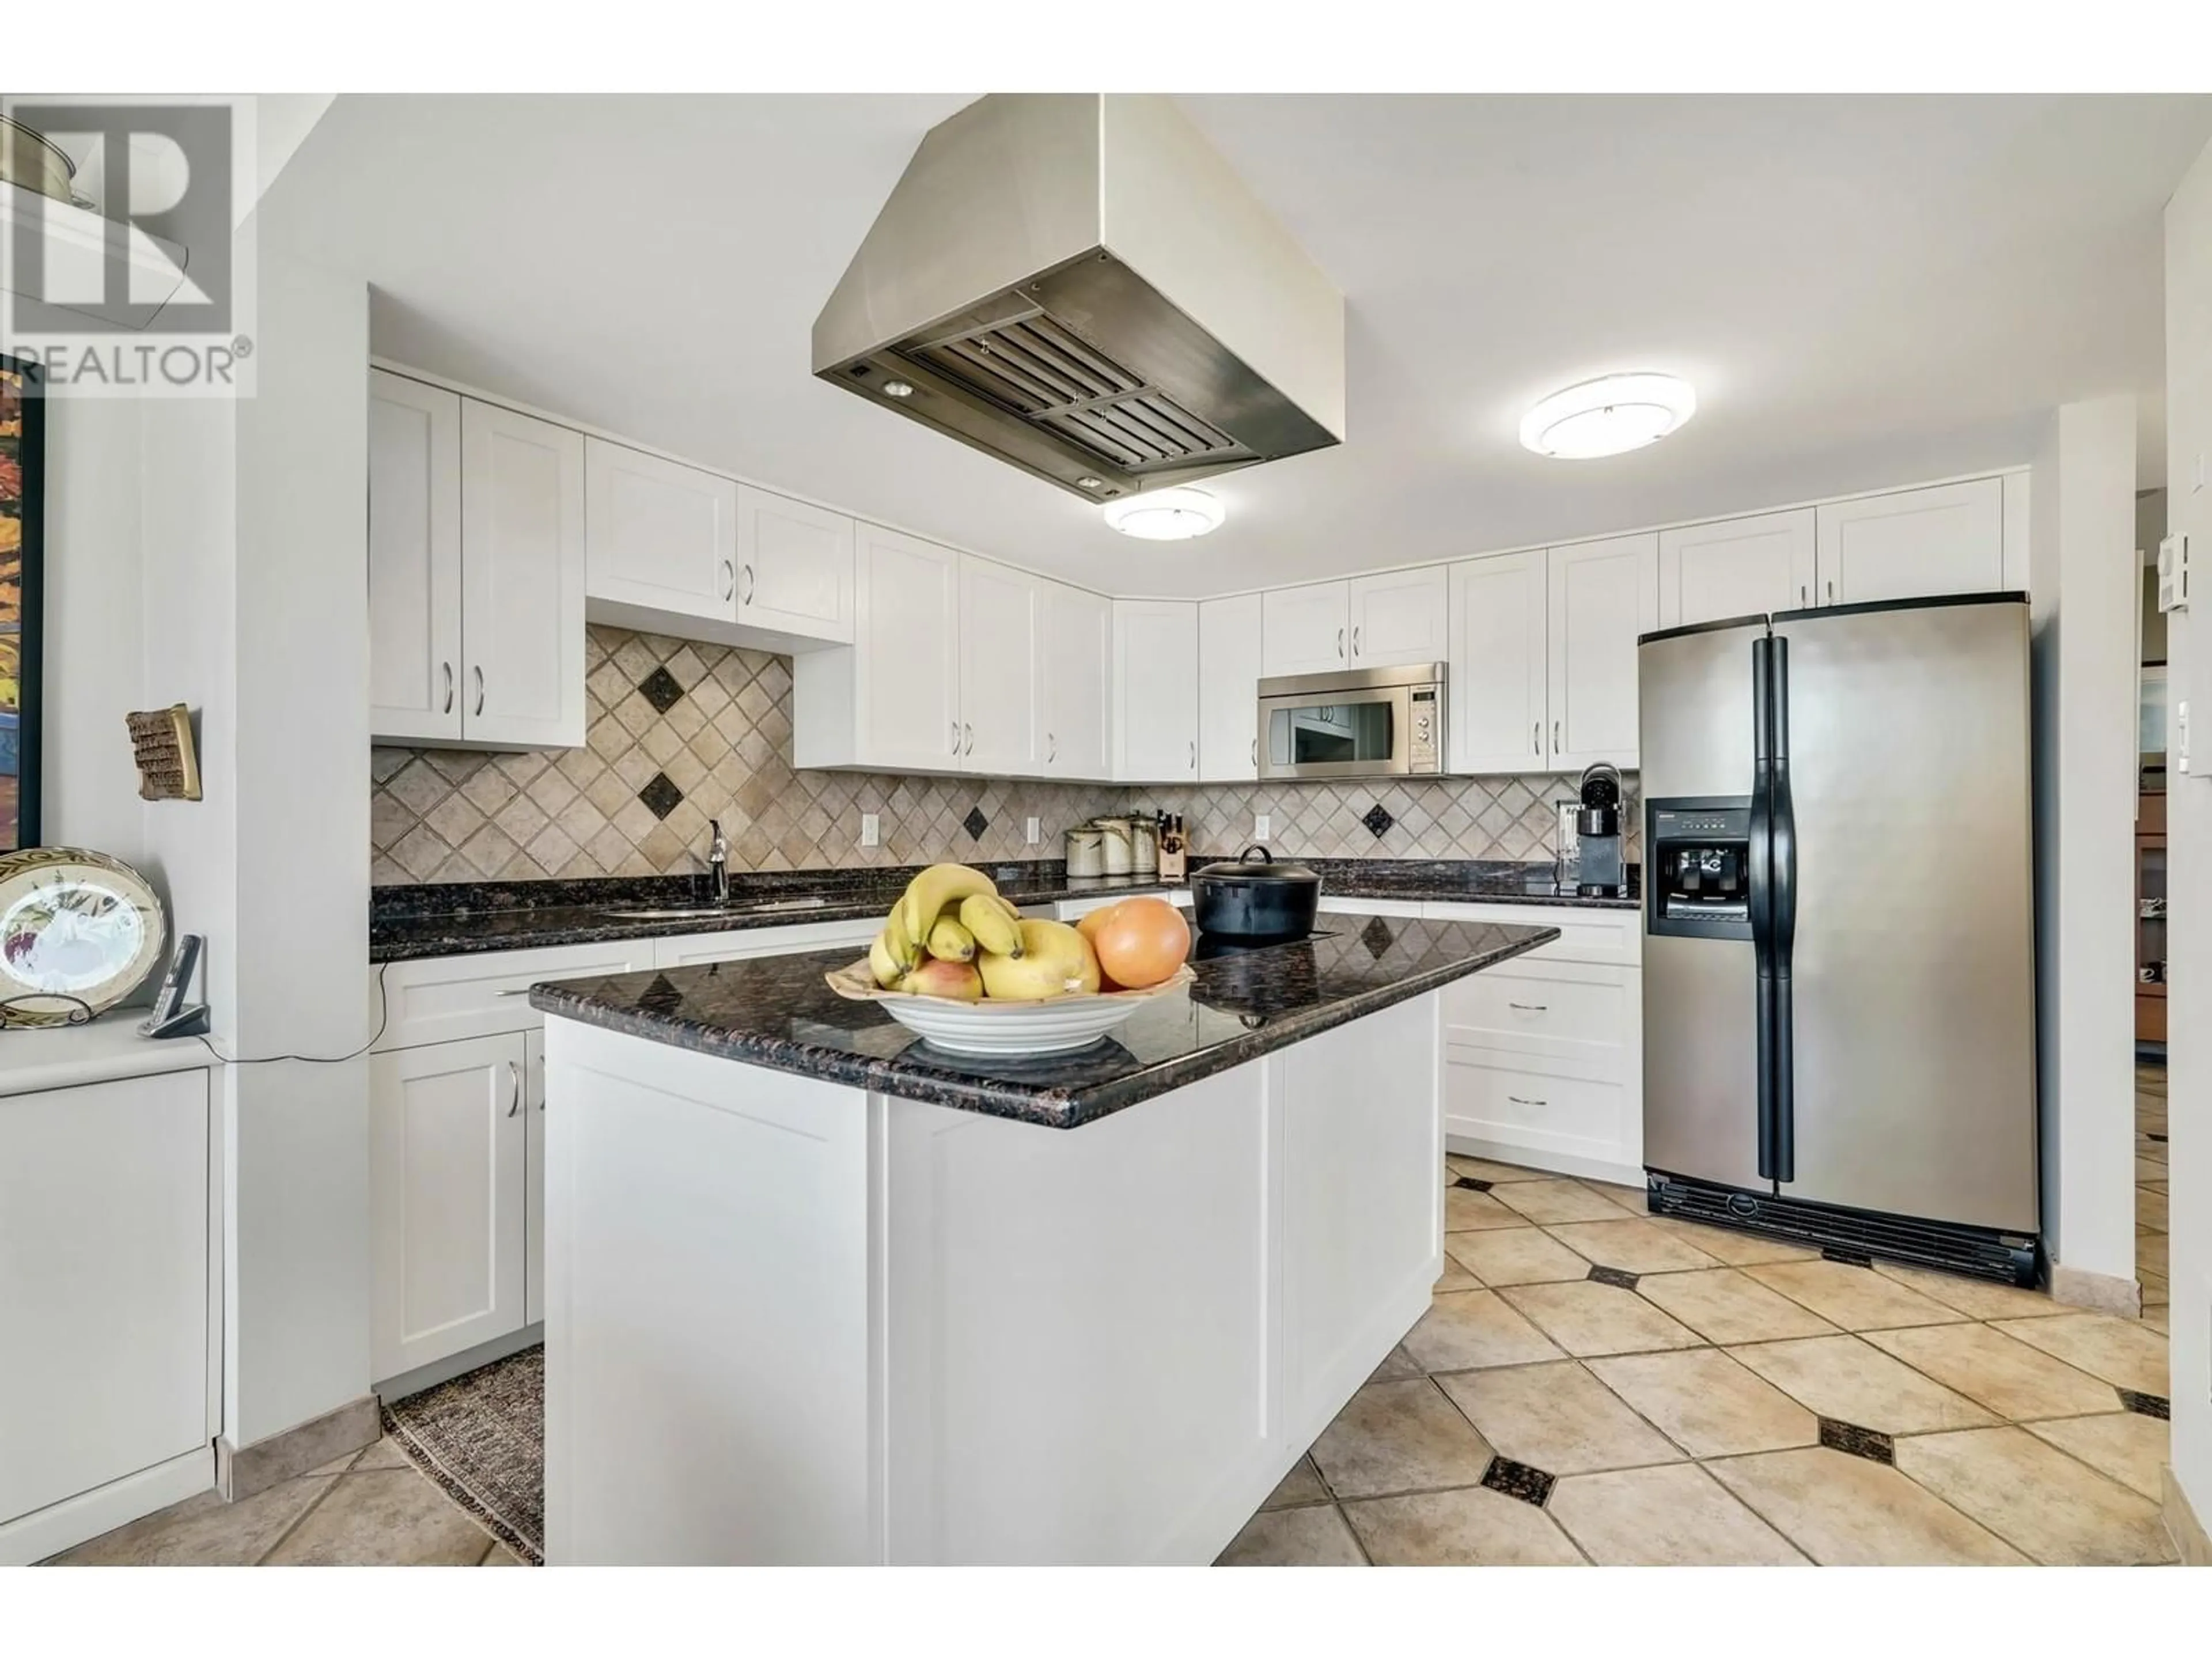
x: 789, y: 1320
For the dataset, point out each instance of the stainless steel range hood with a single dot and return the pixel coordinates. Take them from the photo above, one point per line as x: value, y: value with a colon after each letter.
x: 1078, y: 284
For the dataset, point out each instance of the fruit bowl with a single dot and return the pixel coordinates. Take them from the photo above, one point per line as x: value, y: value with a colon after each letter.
x: 1053, y: 1026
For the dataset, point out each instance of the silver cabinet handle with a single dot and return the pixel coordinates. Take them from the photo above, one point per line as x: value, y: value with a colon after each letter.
x: 480, y: 688
x: 1832, y: 592
x: 1255, y: 751
x: 1556, y: 744
x: 515, y: 1097
x: 956, y: 737
x: 1051, y: 749
x: 748, y: 599
x: 1531, y: 1007
x: 729, y: 579
x: 1536, y: 738
x: 1193, y: 754
x: 1521, y: 1100
x: 1340, y: 645
x: 448, y: 667
x: 1355, y: 641
x: 970, y: 748
x: 1804, y: 596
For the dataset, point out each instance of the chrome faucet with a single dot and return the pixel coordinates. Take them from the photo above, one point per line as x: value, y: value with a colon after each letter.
x: 718, y: 860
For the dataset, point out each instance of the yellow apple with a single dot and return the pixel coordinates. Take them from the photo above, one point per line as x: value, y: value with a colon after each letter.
x: 1055, y: 961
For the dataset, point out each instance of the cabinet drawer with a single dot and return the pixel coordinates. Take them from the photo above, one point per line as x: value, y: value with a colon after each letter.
x: 443, y: 998
x: 1069, y: 909
x: 1540, y: 1007
x: 1508, y: 1111
x: 1371, y: 907
x: 1607, y: 937
x: 689, y: 950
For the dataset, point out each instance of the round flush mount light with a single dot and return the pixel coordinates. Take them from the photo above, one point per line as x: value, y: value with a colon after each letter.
x: 898, y: 389
x: 1164, y: 515
x: 1607, y: 417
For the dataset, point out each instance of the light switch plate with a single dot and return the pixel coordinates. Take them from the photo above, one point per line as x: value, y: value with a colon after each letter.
x: 1032, y: 832
x: 2173, y: 572
x: 1263, y: 825
x: 871, y: 831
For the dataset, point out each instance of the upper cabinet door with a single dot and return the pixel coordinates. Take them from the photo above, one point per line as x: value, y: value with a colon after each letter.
x: 1603, y: 594
x: 1400, y: 618
x: 1947, y: 539
x: 1497, y: 689
x: 998, y: 668
x: 1229, y: 658
x: 522, y: 579
x: 1156, y: 684
x: 658, y: 534
x: 1737, y: 568
x: 1306, y: 631
x: 414, y: 560
x: 906, y: 647
x: 795, y: 568
x: 1075, y: 666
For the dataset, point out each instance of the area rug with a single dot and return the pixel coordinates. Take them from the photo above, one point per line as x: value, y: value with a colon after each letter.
x: 481, y: 1438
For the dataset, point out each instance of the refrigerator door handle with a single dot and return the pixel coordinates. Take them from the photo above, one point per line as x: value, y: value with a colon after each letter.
x: 1761, y: 895
x: 1783, y: 855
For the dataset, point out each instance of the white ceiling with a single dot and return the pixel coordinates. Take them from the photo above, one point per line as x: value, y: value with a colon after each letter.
x: 1865, y: 290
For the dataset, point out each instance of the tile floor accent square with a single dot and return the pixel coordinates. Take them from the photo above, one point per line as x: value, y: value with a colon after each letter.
x: 2148, y: 1405
x: 1556, y: 1417
x: 1518, y: 1481
x: 1596, y: 1319
x: 1858, y: 1441
x: 1613, y: 1276
x: 1468, y: 1182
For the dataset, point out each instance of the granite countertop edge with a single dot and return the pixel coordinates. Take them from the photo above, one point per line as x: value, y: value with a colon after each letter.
x: 411, y: 938
x: 1047, y: 1106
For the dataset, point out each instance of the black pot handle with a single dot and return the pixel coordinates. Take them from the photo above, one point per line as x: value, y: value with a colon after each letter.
x: 1266, y: 857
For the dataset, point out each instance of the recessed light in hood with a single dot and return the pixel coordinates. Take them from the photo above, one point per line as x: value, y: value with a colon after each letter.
x: 1080, y: 285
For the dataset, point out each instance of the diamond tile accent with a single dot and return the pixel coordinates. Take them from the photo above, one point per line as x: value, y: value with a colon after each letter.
x: 1849, y: 1258
x: 1618, y: 1279
x: 1378, y: 821
x: 2148, y: 1405
x: 1518, y: 1481
x: 660, y: 796
x: 1471, y: 1183
x: 1872, y: 1443
x: 975, y: 824
x: 660, y: 688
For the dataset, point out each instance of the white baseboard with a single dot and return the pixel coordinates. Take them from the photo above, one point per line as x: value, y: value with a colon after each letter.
x: 61, y: 1526
x: 2190, y: 1541
x: 446, y: 1370
x: 2101, y: 1292
x: 1530, y: 1157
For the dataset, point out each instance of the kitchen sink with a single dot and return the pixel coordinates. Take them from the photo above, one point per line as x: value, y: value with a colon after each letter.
x: 697, y: 912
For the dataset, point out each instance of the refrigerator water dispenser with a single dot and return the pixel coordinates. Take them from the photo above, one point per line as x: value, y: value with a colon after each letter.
x: 1700, y: 867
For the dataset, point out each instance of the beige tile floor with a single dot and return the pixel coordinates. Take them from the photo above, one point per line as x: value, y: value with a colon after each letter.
x: 1722, y: 1399
x: 1593, y: 1385
x: 371, y: 1508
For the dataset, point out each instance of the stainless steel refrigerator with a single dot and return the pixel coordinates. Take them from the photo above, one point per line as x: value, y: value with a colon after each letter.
x: 1838, y: 954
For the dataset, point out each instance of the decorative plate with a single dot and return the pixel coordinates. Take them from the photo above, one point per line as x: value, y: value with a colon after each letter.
x: 78, y: 931
x: 1054, y: 1026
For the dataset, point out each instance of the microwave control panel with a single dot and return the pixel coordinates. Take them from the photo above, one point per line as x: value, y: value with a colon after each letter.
x: 1426, y: 714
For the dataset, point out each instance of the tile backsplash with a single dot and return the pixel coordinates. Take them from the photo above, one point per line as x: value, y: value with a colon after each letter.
x: 679, y: 733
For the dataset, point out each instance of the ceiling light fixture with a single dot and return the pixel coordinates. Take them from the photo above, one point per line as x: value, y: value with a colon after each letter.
x: 1164, y: 515
x: 898, y: 389
x: 1607, y: 417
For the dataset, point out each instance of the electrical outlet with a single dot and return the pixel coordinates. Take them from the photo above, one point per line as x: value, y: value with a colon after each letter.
x: 1032, y: 832
x: 1263, y: 825
x: 872, y: 829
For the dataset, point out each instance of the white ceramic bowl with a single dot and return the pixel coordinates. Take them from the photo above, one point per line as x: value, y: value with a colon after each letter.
x: 1056, y: 1025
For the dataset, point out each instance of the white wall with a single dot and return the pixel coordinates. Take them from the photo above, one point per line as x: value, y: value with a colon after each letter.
x: 2082, y: 574
x: 2189, y: 837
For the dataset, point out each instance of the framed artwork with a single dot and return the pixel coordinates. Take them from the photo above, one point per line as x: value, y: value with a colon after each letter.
x: 22, y: 483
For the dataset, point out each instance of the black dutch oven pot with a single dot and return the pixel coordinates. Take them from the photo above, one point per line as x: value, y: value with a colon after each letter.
x: 1256, y: 897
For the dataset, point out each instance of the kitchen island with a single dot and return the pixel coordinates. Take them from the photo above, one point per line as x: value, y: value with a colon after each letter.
x: 819, y: 1292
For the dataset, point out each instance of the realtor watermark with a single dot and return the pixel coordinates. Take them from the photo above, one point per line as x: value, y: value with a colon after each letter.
x: 123, y: 269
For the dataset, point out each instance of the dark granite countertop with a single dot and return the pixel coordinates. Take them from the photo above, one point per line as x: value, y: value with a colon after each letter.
x: 459, y: 920
x: 776, y: 1011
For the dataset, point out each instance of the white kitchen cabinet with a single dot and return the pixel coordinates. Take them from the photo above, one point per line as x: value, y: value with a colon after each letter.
x: 1946, y: 539
x: 1075, y: 676
x: 658, y: 535
x: 1155, y: 690
x: 1306, y: 631
x: 105, y: 1286
x: 998, y: 688
x: 449, y: 1232
x: 737, y: 943
x: 1229, y: 668
x: 1737, y: 567
x: 522, y: 581
x: 891, y: 701
x: 1497, y: 653
x: 1601, y: 595
x: 533, y: 1173
x: 1400, y: 618
x: 414, y: 560
x: 794, y: 573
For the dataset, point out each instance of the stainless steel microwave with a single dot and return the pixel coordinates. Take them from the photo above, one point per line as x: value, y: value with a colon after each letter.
x: 1357, y: 723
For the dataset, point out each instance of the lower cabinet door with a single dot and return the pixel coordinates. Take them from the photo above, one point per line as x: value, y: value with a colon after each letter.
x: 448, y: 1157
x: 533, y: 1167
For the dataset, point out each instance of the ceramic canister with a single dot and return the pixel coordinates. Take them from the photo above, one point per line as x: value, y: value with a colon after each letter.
x: 1087, y: 853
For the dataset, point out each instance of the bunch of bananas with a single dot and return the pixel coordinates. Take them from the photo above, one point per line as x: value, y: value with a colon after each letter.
x: 951, y: 935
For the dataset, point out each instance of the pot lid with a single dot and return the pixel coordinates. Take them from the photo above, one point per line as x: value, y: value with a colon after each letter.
x: 1245, y: 868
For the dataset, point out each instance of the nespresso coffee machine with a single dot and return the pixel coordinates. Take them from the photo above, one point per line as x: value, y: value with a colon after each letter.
x: 1602, y: 869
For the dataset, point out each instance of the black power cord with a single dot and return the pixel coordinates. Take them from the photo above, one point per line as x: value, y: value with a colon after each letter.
x: 383, y: 1019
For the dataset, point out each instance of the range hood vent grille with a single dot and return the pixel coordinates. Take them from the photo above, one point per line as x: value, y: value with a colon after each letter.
x: 1039, y: 370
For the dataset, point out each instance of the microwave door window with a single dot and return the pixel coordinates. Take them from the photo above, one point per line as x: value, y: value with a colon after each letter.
x: 1330, y: 734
